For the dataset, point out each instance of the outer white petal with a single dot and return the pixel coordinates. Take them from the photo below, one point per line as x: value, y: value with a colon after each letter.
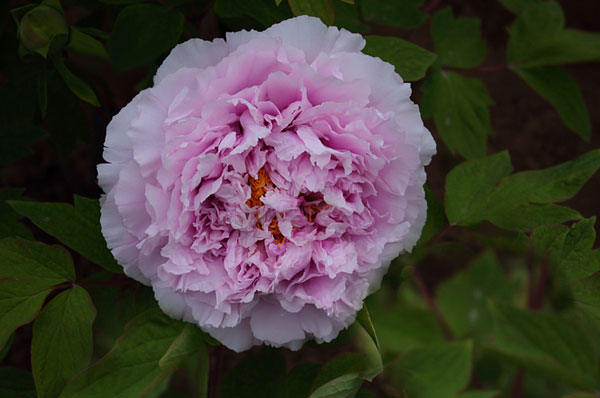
x: 309, y: 34
x: 194, y: 53
x: 238, y: 338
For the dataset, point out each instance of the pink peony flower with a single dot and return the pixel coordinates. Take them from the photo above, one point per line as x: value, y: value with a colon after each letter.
x: 265, y: 182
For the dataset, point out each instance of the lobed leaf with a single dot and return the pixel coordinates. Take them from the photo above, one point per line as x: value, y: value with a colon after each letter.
x: 76, y: 226
x: 322, y: 9
x: 457, y: 42
x: 62, y: 341
x: 399, y: 13
x: 410, y: 61
x: 459, y: 106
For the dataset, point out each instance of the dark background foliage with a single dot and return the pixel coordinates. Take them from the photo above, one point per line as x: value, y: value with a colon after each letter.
x: 497, y: 300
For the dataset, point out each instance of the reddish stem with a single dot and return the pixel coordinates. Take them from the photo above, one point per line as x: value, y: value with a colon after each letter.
x: 517, y: 389
x: 431, y: 6
x: 430, y: 302
x: 439, y: 235
x: 537, y: 298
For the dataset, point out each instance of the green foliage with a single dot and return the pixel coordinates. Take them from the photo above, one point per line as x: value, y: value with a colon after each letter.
x: 480, y: 190
x: 561, y: 90
x: 76, y: 226
x: 133, y: 365
x: 364, y: 319
x: 404, y: 328
x: 141, y: 33
x: 410, y: 61
x: 546, y: 343
x: 316, y: 8
x: 463, y: 298
x: 19, y: 304
x: 262, y: 372
x: 459, y: 106
x: 9, y: 219
x: 438, y: 370
x: 538, y: 37
x: 16, y: 383
x: 402, y: 13
x: 458, y: 41
x: 84, y: 44
x: 62, y: 341
x: 265, y: 12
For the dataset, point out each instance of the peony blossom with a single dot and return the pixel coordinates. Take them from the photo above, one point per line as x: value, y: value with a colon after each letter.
x: 265, y: 182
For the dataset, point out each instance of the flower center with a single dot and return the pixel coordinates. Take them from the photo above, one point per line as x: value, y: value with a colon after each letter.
x: 258, y: 187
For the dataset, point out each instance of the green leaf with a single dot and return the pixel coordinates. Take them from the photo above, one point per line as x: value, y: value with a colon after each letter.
x: 518, y: 200
x: 80, y: 88
x: 84, y: 44
x: 400, y: 329
x: 410, y: 61
x: 561, y: 90
x: 364, y: 319
x: 469, y: 183
x: 457, y: 41
x: 345, y: 386
x: 438, y: 370
x: 265, y: 12
x: 141, y: 33
x: 35, y: 262
x: 19, y: 304
x: 546, y: 344
x: 9, y: 219
x: 346, y: 16
x: 62, y: 341
x: 300, y: 379
x: 479, y: 394
x: 264, y: 372
x: 188, y: 343
x: 16, y: 383
x: 76, y: 226
x: 344, y: 364
x: 573, y: 257
x: 538, y: 37
x: 399, y: 13
x: 462, y: 298
x: 517, y: 6
x: 459, y: 106
x: 16, y: 140
x: 586, y: 294
x: 436, y: 218
x: 316, y: 8
x: 131, y: 368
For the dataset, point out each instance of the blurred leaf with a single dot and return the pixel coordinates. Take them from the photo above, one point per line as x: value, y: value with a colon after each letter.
x: 545, y: 343
x: 62, y: 341
x: 141, y: 33
x: 264, y: 372
x: 401, y: 329
x: 538, y: 37
x: 19, y: 304
x: 316, y: 8
x: 530, y: 216
x: 573, y: 257
x: 410, y: 61
x: 65, y: 119
x: 586, y: 294
x: 299, y: 380
x: 561, y: 90
x: 35, y: 262
x: 345, y: 386
x: 7, y: 346
x: 439, y: 370
x: 131, y: 368
x: 266, y: 12
x: 346, y: 16
x: 580, y: 395
x: 470, y: 183
x: 462, y: 298
x: 9, y: 219
x: 341, y: 365
x: 436, y: 218
x: 479, y: 394
x: 80, y: 88
x: 384, y: 12
x: 42, y: 91
x: 364, y: 319
x: 459, y: 106
x: 517, y: 6
x: 16, y: 383
x: 76, y: 226
x: 457, y: 41
x: 84, y: 44
x: 15, y: 142
x: 94, y: 32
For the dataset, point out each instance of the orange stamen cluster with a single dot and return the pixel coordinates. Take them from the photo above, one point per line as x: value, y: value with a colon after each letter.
x: 258, y: 187
x: 311, y: 211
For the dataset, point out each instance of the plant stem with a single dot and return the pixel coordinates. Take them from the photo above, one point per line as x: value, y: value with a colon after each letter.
x: 431, y: 6
x: 489, y: 68
x: 431, y: 302
x: 439, y: 235
x: 517, y: 390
